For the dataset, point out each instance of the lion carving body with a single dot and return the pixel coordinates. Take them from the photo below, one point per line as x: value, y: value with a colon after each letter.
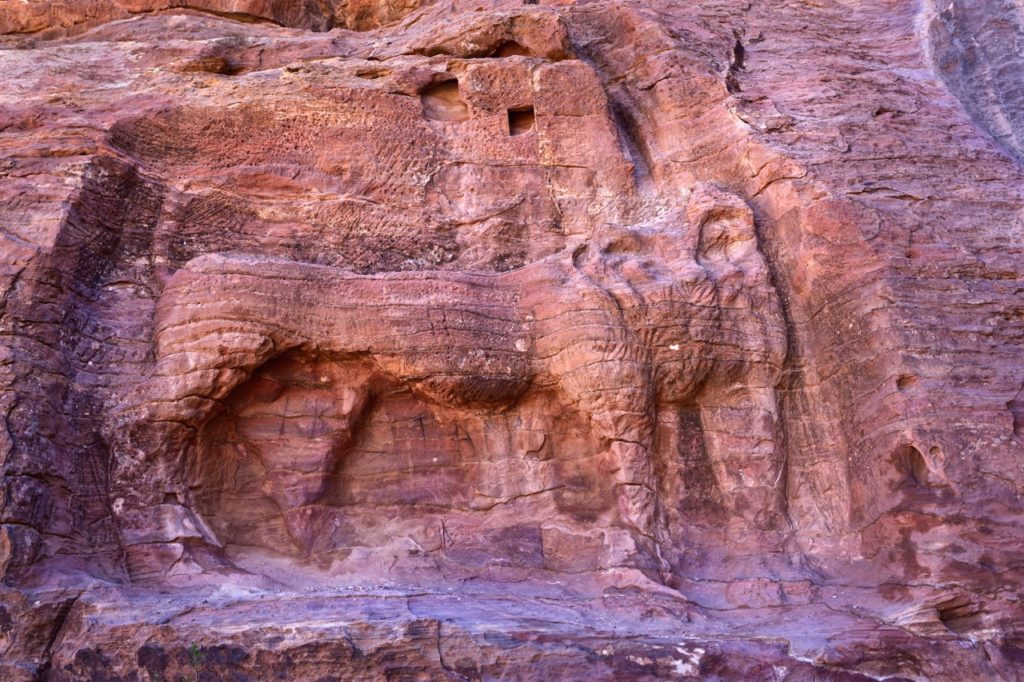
x: 632, y: 321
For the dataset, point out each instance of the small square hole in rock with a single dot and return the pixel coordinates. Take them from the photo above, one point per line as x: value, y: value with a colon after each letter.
x: 520, y: 120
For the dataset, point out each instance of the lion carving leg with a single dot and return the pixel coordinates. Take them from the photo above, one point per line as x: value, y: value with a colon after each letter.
x: 739, y: 426
x: 606, y: 372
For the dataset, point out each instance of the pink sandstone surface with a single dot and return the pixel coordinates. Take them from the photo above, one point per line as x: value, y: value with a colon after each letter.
x: 544, y: 340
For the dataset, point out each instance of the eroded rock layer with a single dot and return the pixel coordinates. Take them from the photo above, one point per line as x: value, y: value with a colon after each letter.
x: 543, y: 340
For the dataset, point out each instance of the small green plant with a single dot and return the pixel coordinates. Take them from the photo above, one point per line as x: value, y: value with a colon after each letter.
x: 196, y: 657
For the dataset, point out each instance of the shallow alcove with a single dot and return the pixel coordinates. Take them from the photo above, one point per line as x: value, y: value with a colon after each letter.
x: 373, y: 73
x: 909, y: 460
x: 213, y: 63
x: 442, y: 102
x: 905, y: 382
x: 510, y: 48
x: 959, y: 614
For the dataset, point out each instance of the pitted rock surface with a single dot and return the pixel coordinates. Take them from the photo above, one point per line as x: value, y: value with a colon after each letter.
x: 405, y: 339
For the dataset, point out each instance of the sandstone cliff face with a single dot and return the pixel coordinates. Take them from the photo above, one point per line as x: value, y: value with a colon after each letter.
x: 544, y: 340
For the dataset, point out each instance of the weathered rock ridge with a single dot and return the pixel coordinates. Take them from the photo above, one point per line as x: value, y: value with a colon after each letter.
x: 352, y: 339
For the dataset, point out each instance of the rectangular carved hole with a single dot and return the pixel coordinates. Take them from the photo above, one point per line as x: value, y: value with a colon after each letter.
x: 520, y: 120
